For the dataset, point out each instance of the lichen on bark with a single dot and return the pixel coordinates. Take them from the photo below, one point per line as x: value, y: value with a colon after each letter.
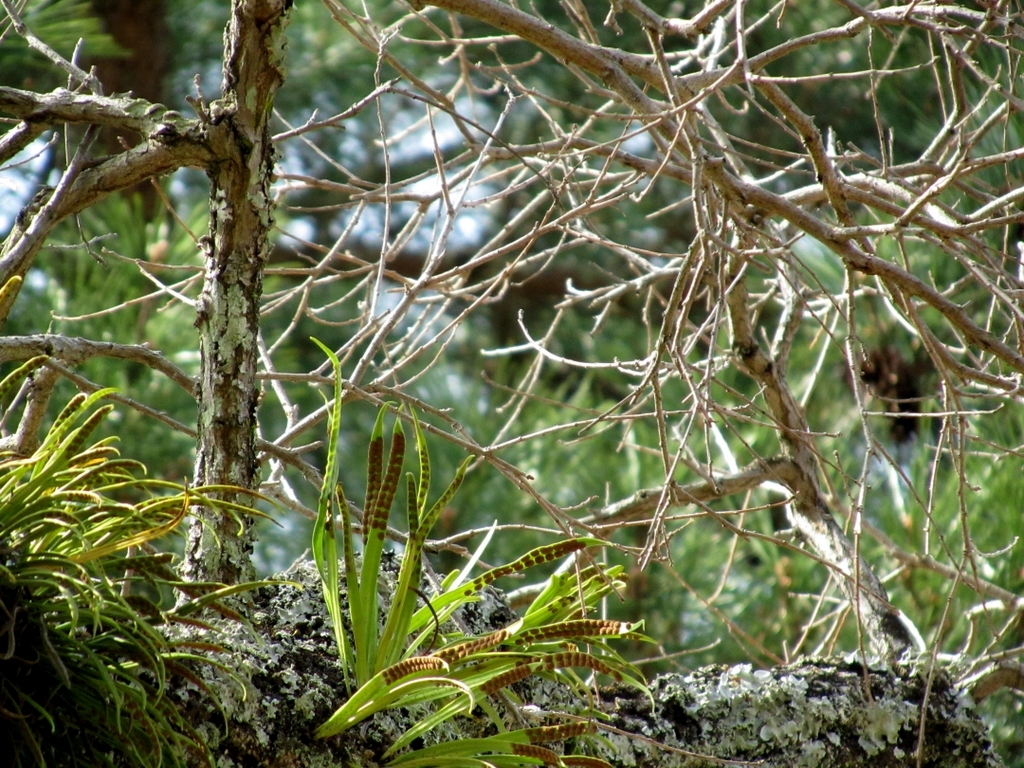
x: 235, y: 255
x: 826, y: 713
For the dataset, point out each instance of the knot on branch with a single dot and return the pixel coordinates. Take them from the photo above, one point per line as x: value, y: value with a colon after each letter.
x: 753, y: 359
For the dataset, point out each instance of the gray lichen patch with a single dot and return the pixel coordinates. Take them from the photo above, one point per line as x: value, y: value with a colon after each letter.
x: 278, y: 679
x: 819, y: 713
x: 282, y: 678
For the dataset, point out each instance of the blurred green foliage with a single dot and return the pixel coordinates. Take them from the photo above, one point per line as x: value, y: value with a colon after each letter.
x: 64, y: 25
x: 711, y: 597
x: 88, y: 602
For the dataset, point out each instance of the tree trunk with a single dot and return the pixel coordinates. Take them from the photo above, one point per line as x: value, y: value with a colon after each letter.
x: 227, y: 313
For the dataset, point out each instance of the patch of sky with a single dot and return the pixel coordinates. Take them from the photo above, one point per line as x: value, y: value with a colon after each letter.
x: 188, y: 187
x: 638, y: 141
x: 353, y: 146
x: 20, y: 177
x: 299, y: 229
x: 412, y: 140
x: 468, y: 229
x: 412, y: 136
x: 36, y: 280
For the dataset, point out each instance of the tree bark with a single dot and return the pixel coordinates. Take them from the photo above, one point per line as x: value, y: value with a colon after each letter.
x: 232, y: 142
x: 227, y: 313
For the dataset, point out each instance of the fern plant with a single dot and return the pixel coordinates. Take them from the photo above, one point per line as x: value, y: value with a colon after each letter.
x: 395, y: 663
x: 84, y: 664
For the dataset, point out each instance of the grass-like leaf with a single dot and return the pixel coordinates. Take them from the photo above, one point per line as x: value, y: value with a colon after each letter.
x: 332, y: 510
x: 466, y: 670
x: 87, y: 663
x: 374, y: 529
